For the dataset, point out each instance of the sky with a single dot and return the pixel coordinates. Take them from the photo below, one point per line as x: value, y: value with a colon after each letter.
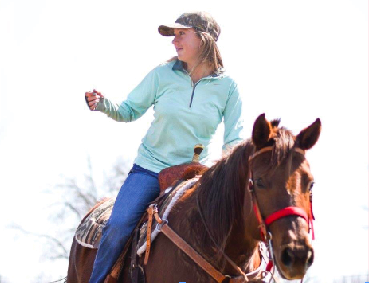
x: 294, y: 60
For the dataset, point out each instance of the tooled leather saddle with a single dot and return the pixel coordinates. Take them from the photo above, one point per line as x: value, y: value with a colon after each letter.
x: 169, y: 176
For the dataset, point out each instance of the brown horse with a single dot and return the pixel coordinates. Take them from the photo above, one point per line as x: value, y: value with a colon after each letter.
x: 265, y: 181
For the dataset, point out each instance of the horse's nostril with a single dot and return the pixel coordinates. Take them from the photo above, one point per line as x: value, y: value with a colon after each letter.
x: 310, y: 258
x: 287, y: 257
x: 297, y: 257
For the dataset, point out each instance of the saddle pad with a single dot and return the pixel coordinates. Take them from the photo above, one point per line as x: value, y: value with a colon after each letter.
x: 164, y: 211
x: 88, y: 233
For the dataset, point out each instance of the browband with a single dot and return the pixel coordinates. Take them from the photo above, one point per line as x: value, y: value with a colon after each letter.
x: 299, y: 150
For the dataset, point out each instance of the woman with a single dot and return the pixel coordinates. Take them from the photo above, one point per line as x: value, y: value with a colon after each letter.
x: 191, y: 95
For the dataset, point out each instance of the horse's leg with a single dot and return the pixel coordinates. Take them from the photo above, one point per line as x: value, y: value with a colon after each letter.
x: 81, y: 260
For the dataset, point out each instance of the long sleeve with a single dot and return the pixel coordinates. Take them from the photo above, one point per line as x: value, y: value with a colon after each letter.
x: 176, y: 127
x: 233, y: 122
x: 137, y: 102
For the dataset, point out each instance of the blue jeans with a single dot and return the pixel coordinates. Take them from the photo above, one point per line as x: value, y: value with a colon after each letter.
x: 139, y: 189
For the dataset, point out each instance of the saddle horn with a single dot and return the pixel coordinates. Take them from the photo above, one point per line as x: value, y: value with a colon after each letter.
x: 196, y: 152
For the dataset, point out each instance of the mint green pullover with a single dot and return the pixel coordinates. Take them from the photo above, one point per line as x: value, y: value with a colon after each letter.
x: 185, y: 114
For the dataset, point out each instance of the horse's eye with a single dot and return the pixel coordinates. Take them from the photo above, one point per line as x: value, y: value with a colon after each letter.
x: 259, y: 183
x: 311, y: 184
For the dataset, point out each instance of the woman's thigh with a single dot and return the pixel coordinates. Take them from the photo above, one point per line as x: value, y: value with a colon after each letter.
x: 139, y: 189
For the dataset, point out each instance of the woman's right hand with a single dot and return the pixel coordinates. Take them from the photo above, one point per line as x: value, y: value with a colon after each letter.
x: 93, y: 98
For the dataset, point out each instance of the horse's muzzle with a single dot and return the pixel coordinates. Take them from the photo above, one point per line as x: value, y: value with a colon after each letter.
x: 295, y: 260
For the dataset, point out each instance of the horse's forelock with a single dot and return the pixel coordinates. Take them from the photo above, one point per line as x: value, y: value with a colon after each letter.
x: 283, y: 142
x: 275, y: 122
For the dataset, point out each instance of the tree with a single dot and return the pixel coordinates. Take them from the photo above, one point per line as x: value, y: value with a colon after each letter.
x: 77, y: 198
x: 73, y: 198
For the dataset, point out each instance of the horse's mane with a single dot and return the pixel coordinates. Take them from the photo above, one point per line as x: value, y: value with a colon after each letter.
x: 222, y: 190
x: 221, y: 193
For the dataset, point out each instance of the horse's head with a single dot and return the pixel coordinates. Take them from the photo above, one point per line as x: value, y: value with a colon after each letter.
x: 282, y: 184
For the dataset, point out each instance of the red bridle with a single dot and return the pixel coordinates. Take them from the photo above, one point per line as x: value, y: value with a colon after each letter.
x: 284, y: 212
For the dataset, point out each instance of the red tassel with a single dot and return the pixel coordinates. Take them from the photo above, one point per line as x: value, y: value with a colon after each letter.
x: 269, y: 266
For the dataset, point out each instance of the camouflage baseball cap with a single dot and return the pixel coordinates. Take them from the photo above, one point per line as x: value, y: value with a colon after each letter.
x: 200, y: 21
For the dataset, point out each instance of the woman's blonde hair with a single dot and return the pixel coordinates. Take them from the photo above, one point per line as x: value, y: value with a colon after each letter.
x: 209, y: 51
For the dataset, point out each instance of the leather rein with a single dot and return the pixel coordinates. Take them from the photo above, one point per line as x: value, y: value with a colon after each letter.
x: 263, y: 224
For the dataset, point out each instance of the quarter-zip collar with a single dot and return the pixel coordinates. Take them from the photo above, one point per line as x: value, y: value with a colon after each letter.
x: 179, y: 66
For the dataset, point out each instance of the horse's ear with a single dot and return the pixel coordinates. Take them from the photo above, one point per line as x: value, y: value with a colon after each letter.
x: 308, y: 137
x: 261, y: 131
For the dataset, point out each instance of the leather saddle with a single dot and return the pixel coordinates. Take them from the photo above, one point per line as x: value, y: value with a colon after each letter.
x: 169, y: 176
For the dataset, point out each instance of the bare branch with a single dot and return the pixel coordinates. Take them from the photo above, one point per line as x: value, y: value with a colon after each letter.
x: 76, y: 195
x: 73, y: 208
x: 52, y: 239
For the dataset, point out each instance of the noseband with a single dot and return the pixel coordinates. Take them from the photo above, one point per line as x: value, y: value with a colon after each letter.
x: 284, y: 212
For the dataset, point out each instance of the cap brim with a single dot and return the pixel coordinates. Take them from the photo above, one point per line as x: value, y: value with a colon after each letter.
x: 168, y: 30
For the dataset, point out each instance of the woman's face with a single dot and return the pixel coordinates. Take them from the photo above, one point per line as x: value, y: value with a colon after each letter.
x: 187, y: 45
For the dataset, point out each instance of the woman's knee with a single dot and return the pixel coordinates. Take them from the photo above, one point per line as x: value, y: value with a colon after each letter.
x: 116, y: 229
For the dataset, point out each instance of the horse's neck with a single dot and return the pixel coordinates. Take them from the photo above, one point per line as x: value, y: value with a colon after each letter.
x: 215, y: 217
x: 219, y: 197
x: 241, y: 242
x: 242, y: 249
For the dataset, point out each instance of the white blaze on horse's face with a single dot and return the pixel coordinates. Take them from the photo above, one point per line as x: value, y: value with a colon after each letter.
x: 281, y: 182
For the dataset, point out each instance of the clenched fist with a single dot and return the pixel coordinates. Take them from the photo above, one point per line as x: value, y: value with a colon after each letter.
x: 93, y: 98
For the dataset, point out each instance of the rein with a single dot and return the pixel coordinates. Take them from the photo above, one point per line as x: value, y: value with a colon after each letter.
x: 231, y: 262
